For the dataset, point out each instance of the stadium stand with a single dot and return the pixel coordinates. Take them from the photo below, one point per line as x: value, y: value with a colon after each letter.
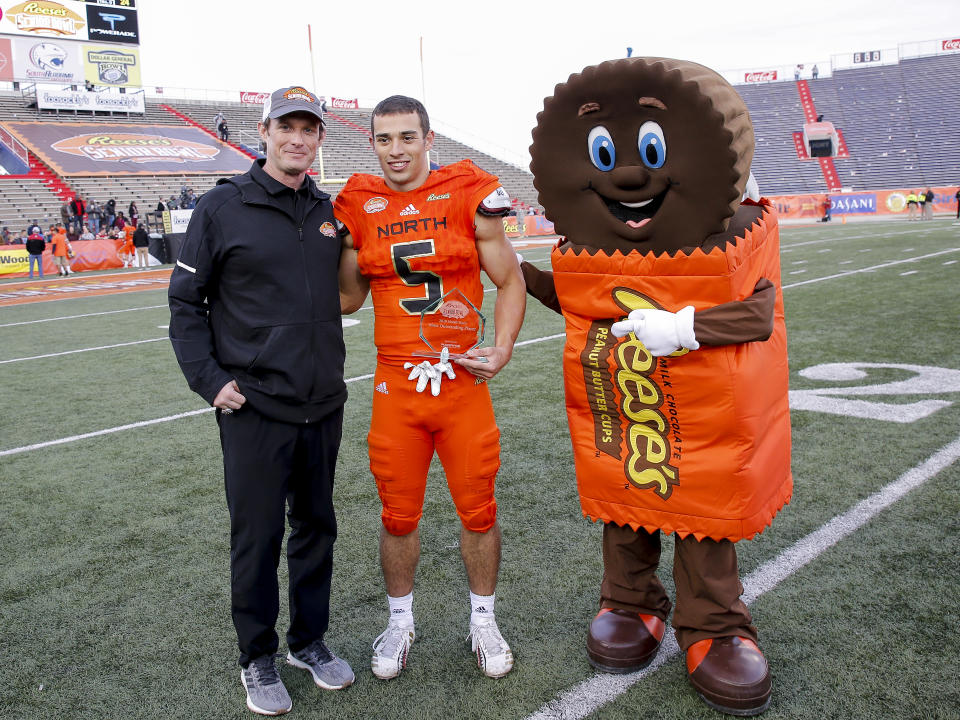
x: 901, y: 123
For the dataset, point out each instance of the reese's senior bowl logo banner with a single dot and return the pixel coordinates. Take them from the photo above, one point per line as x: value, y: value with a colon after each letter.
x: 66, y: 19
x: 120, y: 149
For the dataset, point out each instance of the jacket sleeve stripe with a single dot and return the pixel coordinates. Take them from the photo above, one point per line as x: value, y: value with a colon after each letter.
x: 187, y: 267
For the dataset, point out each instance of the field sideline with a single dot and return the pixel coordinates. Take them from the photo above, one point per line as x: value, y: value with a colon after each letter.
x: 114, y: 594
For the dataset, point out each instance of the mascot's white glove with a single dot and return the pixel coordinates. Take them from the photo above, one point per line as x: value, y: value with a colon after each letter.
x: 425, y: 372
x: 660, y: 331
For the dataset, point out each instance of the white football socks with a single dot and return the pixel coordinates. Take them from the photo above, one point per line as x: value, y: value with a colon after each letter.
x: 401, y: 609
x: 481, y: 608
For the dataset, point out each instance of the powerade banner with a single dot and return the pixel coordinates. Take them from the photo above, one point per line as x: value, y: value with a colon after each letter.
x: 126, y: 149
x: 112, y: 24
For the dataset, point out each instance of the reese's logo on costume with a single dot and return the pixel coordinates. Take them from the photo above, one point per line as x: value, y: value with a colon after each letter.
x: 133, y: 148
x: 375, y: 205
x: 626, y: 394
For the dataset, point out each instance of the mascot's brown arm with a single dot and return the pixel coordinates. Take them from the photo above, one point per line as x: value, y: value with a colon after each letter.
x: 540, y: 285
x: 739, y: 321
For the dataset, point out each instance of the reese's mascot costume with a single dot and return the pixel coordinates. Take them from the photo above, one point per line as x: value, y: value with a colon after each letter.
x: 675, y: 363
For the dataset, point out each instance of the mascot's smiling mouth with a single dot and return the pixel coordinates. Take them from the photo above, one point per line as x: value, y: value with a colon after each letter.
x: 635, y: 214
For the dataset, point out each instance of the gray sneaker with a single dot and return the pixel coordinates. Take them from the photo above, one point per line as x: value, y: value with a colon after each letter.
x: 266, y: 694
x: 329, y: 672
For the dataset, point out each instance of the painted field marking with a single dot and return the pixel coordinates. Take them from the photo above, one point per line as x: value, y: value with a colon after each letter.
x: 909, y: 272
x: 82, y: 350
x: 872, y: 268
x: 168, y: 418
x: 950, y: 262
x: 588, y: 696
x: 74, y: 317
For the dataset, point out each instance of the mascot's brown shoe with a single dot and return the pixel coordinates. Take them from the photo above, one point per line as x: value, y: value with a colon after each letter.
x: 620, y: 641
x: 730, y: 674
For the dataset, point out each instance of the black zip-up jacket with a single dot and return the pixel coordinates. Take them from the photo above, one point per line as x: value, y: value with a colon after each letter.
x: 36, y: 244
x: 254, y: 297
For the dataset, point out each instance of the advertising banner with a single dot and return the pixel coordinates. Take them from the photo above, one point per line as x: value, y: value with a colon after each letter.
x: 253, y: 98
x: 46, y: 60
x: 760, y: 76
x: 176, y: 221
x: 52, y: 97
x: 341, y: 103
x: 105, y: 65
x: 527, y: 226
x: 112, y: 24
x: 877, y: 203
x: 6, y: 60
x: 950, y: 45
x: 88, y: 255
x: 126, y: 149
x: 66, y: 19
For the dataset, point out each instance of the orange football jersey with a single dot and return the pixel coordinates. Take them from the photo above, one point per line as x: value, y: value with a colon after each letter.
x: 414, y: 247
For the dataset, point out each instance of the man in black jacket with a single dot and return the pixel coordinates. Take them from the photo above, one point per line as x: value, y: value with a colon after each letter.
x: 35, y: 247
x: 255, y: 325
x: 141, y: 241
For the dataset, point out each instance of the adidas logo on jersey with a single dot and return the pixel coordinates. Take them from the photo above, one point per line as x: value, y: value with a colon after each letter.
x: 382, y: 388
x: 410, y: 210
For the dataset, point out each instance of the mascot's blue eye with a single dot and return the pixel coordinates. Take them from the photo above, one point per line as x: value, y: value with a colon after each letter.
x: 653, y: 148
x: 600, y: 146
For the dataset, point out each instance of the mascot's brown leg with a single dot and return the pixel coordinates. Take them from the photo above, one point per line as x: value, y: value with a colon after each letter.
x: 714, y: 629
x: 626, y: 634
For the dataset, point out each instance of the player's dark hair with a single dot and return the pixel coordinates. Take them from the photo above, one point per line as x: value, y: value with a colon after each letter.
x: 401, y: 105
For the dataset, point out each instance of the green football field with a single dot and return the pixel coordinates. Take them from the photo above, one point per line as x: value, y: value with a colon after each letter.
x: 114, y: 598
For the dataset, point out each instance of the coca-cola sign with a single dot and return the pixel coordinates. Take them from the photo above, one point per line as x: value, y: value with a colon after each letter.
x: 253, y: 98
x: 761, y: 76
x: 951, y: 44
x: 341, y: 103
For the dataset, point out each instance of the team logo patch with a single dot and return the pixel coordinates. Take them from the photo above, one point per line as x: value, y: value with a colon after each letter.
x: 299, y: 93
x: 328, y: 229
x: 431, y: 197
x: 375, y: 205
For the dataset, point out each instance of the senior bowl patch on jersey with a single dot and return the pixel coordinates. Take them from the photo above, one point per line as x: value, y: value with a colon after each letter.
x: 496, y: 203
x: 375, y: 205
x: 328, y: 229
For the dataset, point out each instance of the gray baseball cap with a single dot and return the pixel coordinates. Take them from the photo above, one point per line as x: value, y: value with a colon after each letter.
x: 292, y: 99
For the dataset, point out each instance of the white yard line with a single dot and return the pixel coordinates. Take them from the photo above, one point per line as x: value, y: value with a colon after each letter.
x: 168, y: 418
x: 871, y: 268
x: 588, y: 696
x: 82, y: 350
x: 74, y: 317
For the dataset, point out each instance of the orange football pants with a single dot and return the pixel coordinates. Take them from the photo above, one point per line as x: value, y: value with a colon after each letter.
x: 405, y: 430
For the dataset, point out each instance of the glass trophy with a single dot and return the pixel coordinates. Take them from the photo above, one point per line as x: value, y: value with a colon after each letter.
x: 451, y: 323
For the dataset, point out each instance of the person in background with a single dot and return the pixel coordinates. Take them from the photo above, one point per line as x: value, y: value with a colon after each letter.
x: 912, y: 205
x: 268, y: 353
x: 5, y: 235
x: 957, y: 197
x: 928, y: 198
x: 141, y: 241
x: 126, y: 251
x: 120, y: 222
x: 111, y: 211
x: 62, y: 252
x: 161, y: 205
x: 922, y: 200
x: 73, y: 233
x: 87, y: 234
x: 94, y: 216
x: 134, y: 213
x: 35, y: 248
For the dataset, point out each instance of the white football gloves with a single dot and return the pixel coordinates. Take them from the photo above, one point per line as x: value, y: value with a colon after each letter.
x: 660, y: 331
x: 425, y: 372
